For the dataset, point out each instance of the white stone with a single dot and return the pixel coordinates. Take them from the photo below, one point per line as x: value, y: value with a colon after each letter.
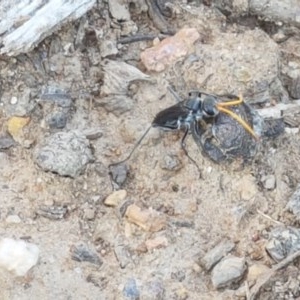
x: 13, y: 219
x: 18, y: 256
x: 13, y: 100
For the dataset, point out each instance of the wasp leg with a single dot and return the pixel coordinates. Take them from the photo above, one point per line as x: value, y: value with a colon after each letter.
x: 186, y: 152
x: 133, y: 149
x: 211, y: 146
x: 238, y: 101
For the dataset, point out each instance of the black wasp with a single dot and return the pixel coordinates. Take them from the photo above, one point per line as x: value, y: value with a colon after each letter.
x: 193, y: 114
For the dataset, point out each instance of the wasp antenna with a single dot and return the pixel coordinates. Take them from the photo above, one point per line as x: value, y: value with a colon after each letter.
x: 174, y: 94
x: 134, y: 148
x: 238, y: 101
x: 240, y: 120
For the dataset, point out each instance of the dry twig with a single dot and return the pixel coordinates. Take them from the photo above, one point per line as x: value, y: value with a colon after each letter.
x: 264, y: 278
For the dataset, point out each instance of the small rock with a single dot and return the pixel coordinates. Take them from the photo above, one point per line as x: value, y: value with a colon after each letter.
x: 158, y: 242
x: 119, y: 174
x: 130, y: 290
x: 92, y: 133
x: 269, y: 182
x: 53, y: 94
x: 98, y: 280
x: 89, y: 214
x: 129, y: 28
x: 286, y: 11
x: 64, y: 153
x: 283, y: 242
x: 123, y: 255
x: 13, y: 100
x: 181, y: 293
x: 229, y: 270
x: 115, y: 198
x: 13, y: 219
x: 119, y: 10
x: 20, y: 105
x: 83, y: 253
x: 149, y: 220
x: 6, y: 141
x: 273, y: 128
x: 294, y: 88
x: 216, y: 254
x: 255, y: 271
x: 108, y: 48
x: 15, y: 126
x: 3, y: 158
x: 169, y: 50
x: 241, y: 292
x: 18, y: 256
x: 171, y: 163
x: 57, y: 119
x: 256, y: 251
x: 52, y: 212
x: 100, y: 169
x: 247, y: 187
x: 291, y: 130
x: 294, y: 203
x: 279, y: 36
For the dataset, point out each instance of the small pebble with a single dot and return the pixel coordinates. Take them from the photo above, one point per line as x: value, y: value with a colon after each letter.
x: 255, y: 271
x: 13, y: 100
x: 291, y: 130
x: 64, y: 153
x: 230, y: 270
x: 115, y: 198
x: 18, y: 256
x: 15, y: 126
x: 13, y: 219
x: 92, y: 133
x: 83, y: 253
x: 293, y: 204
x: 171, y: 163
x: 216, y: 254
x: 123, y: 256
x: 52, y: 212
x: 6, y: 141
x: 149, y: 220
x: 269, y: 182
x: 98, y: 280
x: 57, y: 120
x: 158, y: 242
x: 130, y: 290
x: 89, y: 214
x: 169, y: 50
x: 119, y: 174
x: 283, y: 242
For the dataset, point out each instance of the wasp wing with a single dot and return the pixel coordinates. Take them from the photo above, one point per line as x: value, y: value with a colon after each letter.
x: 168, y: 118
